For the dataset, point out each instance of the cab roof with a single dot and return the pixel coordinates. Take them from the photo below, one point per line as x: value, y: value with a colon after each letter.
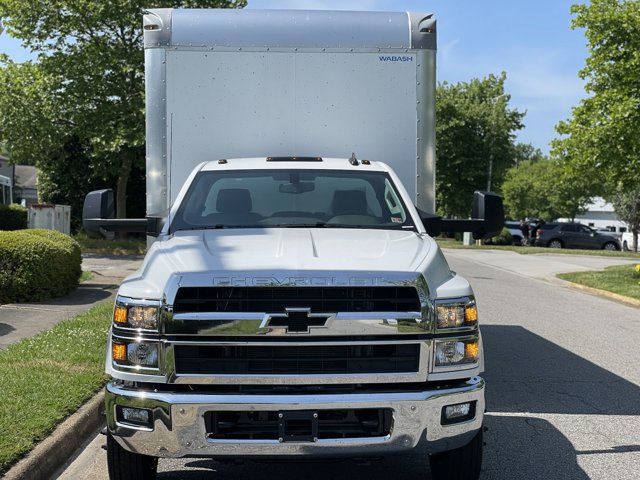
x: 292, y: 163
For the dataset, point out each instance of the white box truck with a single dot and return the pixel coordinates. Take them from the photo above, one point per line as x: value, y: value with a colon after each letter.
x: 294, y: 303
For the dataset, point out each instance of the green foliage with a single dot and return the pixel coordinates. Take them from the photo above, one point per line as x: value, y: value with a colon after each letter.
x: 47, y: 377
x: 475, y: 129
x: 503, y: 238
x: 547, y: 190
x: 627, y: 207
x: 601, y: 139
x: 37, y: 264
x: 86, y: 89
x: 13, y: 217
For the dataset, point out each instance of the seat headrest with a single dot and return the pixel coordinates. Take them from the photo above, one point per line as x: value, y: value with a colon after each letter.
x: 234, y: 200
x: 349, y: 202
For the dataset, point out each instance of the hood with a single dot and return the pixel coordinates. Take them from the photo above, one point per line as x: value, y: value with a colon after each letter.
x: 292, y: 250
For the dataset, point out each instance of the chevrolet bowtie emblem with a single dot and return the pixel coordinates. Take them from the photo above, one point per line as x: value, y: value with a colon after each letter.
x: 297, y: 320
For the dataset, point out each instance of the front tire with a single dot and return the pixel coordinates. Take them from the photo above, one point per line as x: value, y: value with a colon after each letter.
x: 555, y: 243
x: 610, y: 246
x: 463, y: 463
x: 125, y: 465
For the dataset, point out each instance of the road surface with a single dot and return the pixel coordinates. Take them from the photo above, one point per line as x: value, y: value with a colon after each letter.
x: 563, y: 385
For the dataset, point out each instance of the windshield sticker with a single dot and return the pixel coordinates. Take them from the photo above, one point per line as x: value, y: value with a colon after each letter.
x: 396, y: 219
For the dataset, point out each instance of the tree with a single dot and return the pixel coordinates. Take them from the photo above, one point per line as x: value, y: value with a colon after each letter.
x: 545, y: 189
x: 627, y: 207
x: 602, y: 137
x: 527, y: 152
x: 87, y: 85
x: 475, y: 140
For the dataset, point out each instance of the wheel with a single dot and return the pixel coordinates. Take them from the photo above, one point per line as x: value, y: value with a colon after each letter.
x: 517, y: 241
x: 124, y: 465
x: 460, y: 464
x: 625, y: 246
x: 610, y: 246
x: 555, y: 243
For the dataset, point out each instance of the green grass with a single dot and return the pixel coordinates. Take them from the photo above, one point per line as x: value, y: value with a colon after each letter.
x: 450, y: 243
x: 85, y: 275
x: 127, y: 246
x: 45, y: 378
x: 621, y: 279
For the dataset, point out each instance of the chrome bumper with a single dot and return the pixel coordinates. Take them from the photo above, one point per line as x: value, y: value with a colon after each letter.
x: 179, y: 428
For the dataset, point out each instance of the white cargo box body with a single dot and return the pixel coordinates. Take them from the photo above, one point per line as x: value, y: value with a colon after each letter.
x: 257, y: 83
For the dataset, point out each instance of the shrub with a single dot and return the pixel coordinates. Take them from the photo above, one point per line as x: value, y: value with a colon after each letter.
x: 13, y: 217
x: 503, y: 238
x: 37, y: 265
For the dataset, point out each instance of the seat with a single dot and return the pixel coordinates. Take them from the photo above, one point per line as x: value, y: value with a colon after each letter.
x: 349, y: 202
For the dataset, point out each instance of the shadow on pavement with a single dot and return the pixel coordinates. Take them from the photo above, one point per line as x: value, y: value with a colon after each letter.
x: 5, y: 329
x: 527, y: 448
x: 526, y: 373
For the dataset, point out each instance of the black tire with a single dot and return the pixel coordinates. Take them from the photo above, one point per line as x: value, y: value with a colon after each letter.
x: 463, y: 463
x: 610, y: 246
x: 625, y: 246
x: 517, y: 241
x: 555, y: 243
x: 124, y: 465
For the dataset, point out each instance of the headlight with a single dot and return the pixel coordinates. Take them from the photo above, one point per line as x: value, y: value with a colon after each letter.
x: 456, y: 314
x: 136, y: 316
x: 456, y: 352
x: 135, y: 354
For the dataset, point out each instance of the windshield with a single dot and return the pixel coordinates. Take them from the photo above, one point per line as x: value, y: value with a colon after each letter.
x: 292, y: 198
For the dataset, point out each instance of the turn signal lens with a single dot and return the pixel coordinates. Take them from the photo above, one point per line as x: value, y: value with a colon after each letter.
x: 471, y: 313
x: 119, y: 352
x: 120, y: 315
x: 471, y: 350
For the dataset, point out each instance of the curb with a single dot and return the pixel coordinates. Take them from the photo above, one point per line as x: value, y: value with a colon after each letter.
x: 632, y: 302
x: 54, y: 451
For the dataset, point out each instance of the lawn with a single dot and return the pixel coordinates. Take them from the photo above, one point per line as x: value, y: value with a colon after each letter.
x: 621, y: 279
x: 450, y: 243
x: 45, y: 378
x: 127, y: 246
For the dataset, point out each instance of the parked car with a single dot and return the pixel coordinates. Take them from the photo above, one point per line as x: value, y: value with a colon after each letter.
x: 574, y: 235
x: 514, y: 230
x: 604, y: 231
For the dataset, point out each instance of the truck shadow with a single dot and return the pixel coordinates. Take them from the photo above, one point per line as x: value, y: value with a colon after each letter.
x: 527, y: 373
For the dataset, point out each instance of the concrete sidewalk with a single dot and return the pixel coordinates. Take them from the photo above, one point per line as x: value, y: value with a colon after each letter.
x: 21, y: 320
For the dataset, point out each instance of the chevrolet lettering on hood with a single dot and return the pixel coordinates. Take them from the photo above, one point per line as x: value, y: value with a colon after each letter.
x: 266, y: 281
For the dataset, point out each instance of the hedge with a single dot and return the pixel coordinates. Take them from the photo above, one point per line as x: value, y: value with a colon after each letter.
x: 13, y: 217
x: 37, y: 265
x: 503, y: 238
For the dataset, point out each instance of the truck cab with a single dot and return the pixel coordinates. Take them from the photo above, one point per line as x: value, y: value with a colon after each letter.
x: 294, y: 305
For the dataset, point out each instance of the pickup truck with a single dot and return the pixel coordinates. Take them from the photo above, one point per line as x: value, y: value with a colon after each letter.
x: 293, y: 305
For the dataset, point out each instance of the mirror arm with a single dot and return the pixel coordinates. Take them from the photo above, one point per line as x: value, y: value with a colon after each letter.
x: 130, y: 225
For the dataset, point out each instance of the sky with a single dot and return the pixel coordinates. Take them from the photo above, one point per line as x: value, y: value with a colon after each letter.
x: 528, y: 39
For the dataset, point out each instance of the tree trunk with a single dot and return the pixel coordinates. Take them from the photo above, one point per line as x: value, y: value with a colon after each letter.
x: 635, y: 233
x: 121, y: 187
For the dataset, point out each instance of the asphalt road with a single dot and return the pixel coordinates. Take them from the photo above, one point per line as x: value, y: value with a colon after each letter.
x: 563, y: 388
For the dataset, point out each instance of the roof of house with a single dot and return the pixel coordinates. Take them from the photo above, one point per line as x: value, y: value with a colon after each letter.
x: 26, y: 176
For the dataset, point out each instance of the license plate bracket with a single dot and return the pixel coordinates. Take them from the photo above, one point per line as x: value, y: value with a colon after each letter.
x: 298, y: 426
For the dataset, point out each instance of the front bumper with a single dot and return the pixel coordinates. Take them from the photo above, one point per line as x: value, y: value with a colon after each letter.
x: 179, y: 427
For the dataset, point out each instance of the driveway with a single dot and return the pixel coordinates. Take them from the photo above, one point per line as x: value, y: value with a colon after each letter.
x: 563, y: 385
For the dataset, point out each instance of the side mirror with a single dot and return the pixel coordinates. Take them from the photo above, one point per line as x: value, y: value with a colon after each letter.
x: 97, y: 204
x: 488, y: 207
x: 98, y: 219
x: 487, y: 221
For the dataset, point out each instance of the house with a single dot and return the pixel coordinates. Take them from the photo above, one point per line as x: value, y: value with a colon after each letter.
x: 19, y: 183
x: 600, y: 214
